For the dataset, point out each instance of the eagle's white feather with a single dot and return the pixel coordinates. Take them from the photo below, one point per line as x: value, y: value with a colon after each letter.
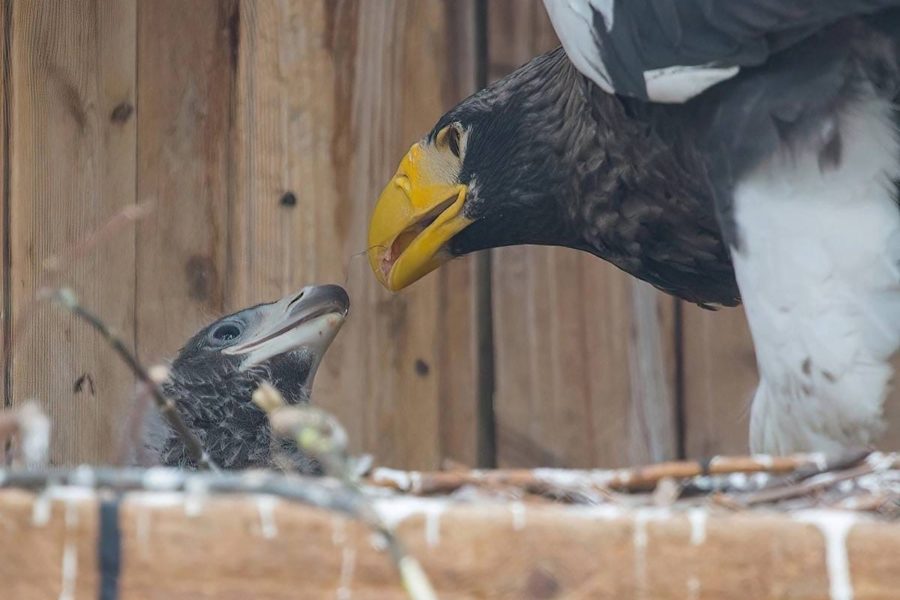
x: 818, y: 265
x: 573, y: 21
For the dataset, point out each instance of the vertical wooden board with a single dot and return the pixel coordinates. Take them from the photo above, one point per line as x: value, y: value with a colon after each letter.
x: 329, y: 96
x: 719, y: 380
x: 5, y: 326
x: 72, y: 162
x: 185, y: 68
x: 584, y: 353
x: 890, y: 440
x: 457, y: 353
x: 720, y: 377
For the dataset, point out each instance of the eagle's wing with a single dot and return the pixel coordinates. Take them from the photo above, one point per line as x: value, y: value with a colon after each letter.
x: 672, y: 50
x: 795, y: 116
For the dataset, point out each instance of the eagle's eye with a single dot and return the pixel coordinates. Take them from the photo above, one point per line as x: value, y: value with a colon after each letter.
x: 453, y: 141
x: 450, y: 136
x: 226, y: 333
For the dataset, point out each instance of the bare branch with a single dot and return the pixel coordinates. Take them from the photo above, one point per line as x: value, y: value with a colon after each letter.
x: 66, y: 299
x: 555, y: 482
x: 320, y: 434
x: 55, y: 265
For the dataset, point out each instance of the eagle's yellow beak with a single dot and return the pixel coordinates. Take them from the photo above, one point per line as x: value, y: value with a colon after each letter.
x: 418, y: 212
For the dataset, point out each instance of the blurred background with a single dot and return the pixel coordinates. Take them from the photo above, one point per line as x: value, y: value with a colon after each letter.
x: 258, y: 134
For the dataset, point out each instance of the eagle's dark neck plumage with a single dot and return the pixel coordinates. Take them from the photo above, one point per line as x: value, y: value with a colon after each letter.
x: 645, y: 200
x: 615, y: 178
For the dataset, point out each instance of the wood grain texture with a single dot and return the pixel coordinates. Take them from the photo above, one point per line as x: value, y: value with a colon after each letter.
x: 329, y: 95
x: 5, y: 325
x: 184, y: 121
x: 251, y: 547
x: 457, y: 283
x: 72, y: 166
x: 890, y: 440
x: 719, y: 380
x: 720, y: 377
x: 584, y: 353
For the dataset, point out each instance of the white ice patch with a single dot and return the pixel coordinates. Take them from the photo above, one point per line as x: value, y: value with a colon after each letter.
x: 265, y: 505
x: 196, y: 493
x: 156, y: 499
x: 348, y: 564
x: 161, y: 479
x: 394, y: 511
x: 697, y: 518
x: 517, y: 509
x: 69, y: 571
x: 433, y: 526
x: 693, y: 587
x: 41, y: 510
x: 394, y: 477
x: 338, y: 530
x: 69, y: 568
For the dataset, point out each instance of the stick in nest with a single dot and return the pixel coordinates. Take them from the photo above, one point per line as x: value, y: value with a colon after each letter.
x: 636, y: 479
x: 66, y: 299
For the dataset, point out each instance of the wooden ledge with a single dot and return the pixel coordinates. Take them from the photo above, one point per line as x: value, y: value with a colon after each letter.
x: 182, y: 546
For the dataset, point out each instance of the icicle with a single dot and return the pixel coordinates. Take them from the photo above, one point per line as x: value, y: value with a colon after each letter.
x: 348, y: 563
x: 693, y: 587
x: 41, y: 510
x: 517, y: 509
x: 338, y: 530
x: 639, y: 541
x: 697, y: 518
x: 265, y: 505
x: 433, y: 525
x: 834, y: 525
x: 70, y: 554
x: 195, y: 496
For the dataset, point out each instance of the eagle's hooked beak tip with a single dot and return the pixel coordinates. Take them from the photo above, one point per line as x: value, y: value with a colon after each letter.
x: 413, y: 221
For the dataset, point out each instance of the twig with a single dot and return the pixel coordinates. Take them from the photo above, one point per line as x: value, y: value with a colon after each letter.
x: 313, y: 491
x: 814, y: 484
x: 321, y: 435
x: 114, y: 225
x: 66, y: 299
x: 54, y: 265
x: 636, y: 479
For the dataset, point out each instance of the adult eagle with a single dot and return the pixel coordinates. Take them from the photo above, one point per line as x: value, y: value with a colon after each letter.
x: 722, y: 150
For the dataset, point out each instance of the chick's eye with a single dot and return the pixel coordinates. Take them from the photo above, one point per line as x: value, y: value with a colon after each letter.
x: 226, y: 332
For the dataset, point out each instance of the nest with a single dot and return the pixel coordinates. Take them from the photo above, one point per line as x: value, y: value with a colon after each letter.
x: 731, y: 527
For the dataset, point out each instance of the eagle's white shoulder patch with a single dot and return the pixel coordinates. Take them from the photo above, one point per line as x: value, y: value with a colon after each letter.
x: 818, y: 265
x: 573, y: 21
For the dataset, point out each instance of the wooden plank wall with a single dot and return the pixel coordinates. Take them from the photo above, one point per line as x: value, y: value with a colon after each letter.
x: 71, y: 166
x: 328, y: 95
x: 578, y: 382
x: 211, y: 113
x: 5, y: 328
x: 237, y: 103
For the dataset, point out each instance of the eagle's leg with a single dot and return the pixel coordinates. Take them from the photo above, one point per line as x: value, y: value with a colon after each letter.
x: 817, y: 259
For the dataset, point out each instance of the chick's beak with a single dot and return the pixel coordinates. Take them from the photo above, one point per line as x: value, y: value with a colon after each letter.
x: 414, y: 218
x: 310, y: 318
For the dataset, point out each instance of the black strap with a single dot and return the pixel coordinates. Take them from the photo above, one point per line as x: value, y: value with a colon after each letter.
x: 109, y: 548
